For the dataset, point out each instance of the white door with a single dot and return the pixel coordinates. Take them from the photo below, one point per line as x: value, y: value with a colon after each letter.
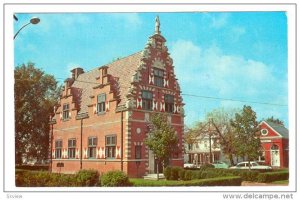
x: 275, y: 156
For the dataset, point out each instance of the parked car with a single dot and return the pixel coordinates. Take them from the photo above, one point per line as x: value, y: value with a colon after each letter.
x: 253, y: 165
x: 189, y: 165
x: 219, y: 164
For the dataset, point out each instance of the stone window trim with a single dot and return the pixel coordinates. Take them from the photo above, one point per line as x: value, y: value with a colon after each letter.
x: 169, y: 103
x: 58, y: 148
x: 72, y: 148
x: 110, y: 146
x: 147, y: 100
x: 101, y: 101
x: 138, y: 151
x: 92, y: 147
x: 158, y: 77
x: 66, y: 111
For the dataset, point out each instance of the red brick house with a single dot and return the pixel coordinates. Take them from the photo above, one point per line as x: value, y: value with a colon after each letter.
x: 275, y: 144
x: 101, y: 119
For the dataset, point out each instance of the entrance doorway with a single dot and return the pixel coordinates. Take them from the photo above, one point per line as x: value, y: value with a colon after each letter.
x: 275, y: 156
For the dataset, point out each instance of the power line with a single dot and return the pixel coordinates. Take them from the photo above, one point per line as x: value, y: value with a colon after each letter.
x: 235, y: 100
x: 199, y: 96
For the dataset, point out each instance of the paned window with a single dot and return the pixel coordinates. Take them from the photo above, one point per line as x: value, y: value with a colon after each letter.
x: 110, y: 146
x: 66, y: 111
x: 71, y: 148
x: 58, y: 148
x: 169, y: 103
x: 159, y: 77
x: 147, y: 99
x: 138, y: 152
x: 101, y: 98
x: 92, y: 146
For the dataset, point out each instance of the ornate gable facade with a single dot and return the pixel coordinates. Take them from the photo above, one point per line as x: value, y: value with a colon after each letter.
x: 101, y: 119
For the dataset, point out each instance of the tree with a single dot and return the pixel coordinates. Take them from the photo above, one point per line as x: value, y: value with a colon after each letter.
x: 35, y: 95
x: 161, y: 139
x: 276, y: 121
x: 247, y: 144
x: 221, y: 120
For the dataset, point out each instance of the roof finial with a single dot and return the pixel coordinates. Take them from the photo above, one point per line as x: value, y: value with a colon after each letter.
x: 157, y: 25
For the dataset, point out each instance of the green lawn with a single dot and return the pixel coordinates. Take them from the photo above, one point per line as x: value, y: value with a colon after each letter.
x: 286, y: 182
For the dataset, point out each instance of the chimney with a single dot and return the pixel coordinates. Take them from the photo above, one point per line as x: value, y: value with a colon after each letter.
x: 103, y: 74
x: 76, y: 72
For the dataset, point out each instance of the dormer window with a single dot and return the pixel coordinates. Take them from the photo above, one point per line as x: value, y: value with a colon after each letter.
x: 101, y: 98
x: 169, y: 103
x: 66, y: 111
x: 147, y: 100
x: 159, y: 77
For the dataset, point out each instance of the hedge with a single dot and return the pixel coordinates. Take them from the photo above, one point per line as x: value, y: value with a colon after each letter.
x: 221, y: 181
x: 33, y: 167
x: 273, y: 176
x: 115, y: 179
x: 47, y: 179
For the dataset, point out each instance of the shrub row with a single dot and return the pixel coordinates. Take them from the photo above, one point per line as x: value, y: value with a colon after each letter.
x: 33, y: 167
x: 273, y: 176
x: 46, y: 179
x: 221, y: 181
x: 115, y: 179
x: 80, y: 179
x: 176, y: 173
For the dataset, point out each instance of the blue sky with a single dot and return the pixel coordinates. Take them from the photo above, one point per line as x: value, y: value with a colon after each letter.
x: 228, y: 55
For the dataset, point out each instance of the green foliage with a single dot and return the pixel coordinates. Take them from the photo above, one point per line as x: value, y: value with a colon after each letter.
x: 207, y: 166
x: 115, y: 178
x: 35, y: 95
x: 162, y: 139
x: 33, y: 167
x: 167, y: 172
x: 275, y: 120
x: 87, y: 177
x: 221, y: 181
x: 47, y: 179
x: 273, y: 176
x: 246, y: 143
x: 175, y: 173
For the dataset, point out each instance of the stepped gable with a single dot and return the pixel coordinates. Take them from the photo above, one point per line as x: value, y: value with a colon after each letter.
x: 121, y: 70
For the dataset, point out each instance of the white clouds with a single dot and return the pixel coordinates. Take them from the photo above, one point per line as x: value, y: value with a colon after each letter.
x: 211, y: 72
x: 129, y: 20
x: 219, y: 20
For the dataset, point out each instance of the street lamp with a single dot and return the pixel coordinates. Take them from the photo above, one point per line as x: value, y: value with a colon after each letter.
x: 34, y: 20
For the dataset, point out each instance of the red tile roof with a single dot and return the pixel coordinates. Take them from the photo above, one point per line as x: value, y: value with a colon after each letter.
x: 122, y: 70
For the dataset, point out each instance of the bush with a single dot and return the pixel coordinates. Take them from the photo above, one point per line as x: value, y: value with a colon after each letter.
x: 207, y: 166
x: 47, y: 179
x: 175, y: 173
x: 33, y: 167
x: 273, y: 176
x: 222, y: 181
x: 87, y: 178
x: 167, y: 172
x: 115, y: 178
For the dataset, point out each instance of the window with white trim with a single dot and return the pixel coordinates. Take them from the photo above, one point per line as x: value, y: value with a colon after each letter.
x: 101, y: 98
x: 66, y: 111
x: 158, y: 77
x: 169, y: 103
x: 110, y: 146
x: 58, y: 148
x: 71, y: 148
x: 92, y: 147
x: 138, y: 152
x: 147, y: 100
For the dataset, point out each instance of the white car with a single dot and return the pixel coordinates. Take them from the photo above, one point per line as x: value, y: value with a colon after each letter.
x: 253, y: 165
x: 189, y: 165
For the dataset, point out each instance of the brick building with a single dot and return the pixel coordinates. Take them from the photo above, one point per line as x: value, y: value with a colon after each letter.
x: 275, y: 144
x: 101, y: 119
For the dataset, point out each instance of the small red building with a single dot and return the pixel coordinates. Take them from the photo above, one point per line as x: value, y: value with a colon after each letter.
x: 275, y: 144
x: 101, y: 119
